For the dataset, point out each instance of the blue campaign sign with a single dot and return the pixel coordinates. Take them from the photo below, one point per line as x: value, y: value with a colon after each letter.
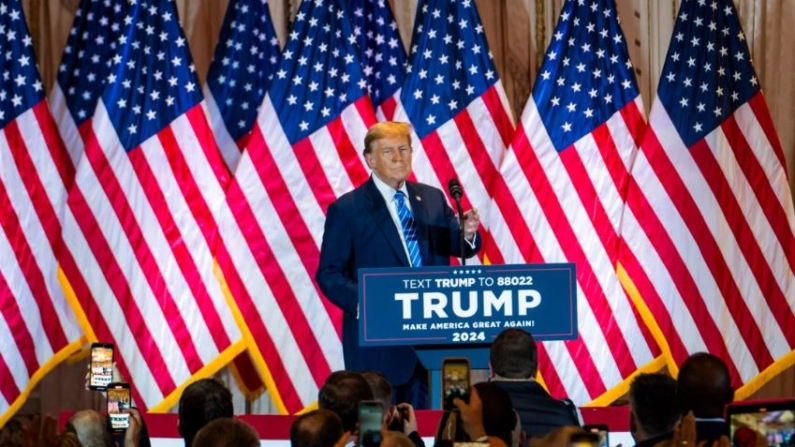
x: 466, y: 304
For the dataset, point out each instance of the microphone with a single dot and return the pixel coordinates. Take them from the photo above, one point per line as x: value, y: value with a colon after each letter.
x: 454, y: 186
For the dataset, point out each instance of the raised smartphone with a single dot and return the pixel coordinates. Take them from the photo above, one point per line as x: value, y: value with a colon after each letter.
x: 101, y: 366
x: 455, y: 381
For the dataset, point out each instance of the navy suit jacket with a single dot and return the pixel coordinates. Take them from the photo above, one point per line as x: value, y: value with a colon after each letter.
x: 360, y: 232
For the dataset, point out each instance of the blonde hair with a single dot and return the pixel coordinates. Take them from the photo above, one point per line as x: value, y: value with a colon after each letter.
x: 387, y: 129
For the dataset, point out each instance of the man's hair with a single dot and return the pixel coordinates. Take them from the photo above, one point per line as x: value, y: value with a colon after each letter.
x: 226, y: 432
x: 652, y: 399
x: 318, y: 428
x: 704, y: 385
x: 397, y: 439
x: 91, y: 429
x: 342, y: 393
x: 201, y: 402
x: 513, y: 354
x: 386, y: 129
x: 380, y: 386
x: 499, y: 419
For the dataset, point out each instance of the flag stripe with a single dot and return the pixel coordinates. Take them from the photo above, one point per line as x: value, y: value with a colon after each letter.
x: 542, y: 187
x: 745, y: 234
x: 688, y: 209
x: 681, y: 276
x: 132, y: 230
x: 8, y: 386
x: 18, y: 328
x: 352, y: 161
x: 303, y: 242
x: 773, y: 204
x: 47, y: 218
x: 481, y: 179
x: 265, y: 345
x: 56, y: 149
x: 163, y: 212
x: 540, y: 174
x: 112, y: 271
x: 497, y: 104
x: 101, y: 313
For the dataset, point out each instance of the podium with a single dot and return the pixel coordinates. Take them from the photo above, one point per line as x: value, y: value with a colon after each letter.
x: 458, y: 311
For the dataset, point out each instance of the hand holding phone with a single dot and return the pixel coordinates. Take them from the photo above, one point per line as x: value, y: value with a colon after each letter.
x: 119, y: 403
x: 371, y: 417
x: 455, y: 381
x: 100, y: 372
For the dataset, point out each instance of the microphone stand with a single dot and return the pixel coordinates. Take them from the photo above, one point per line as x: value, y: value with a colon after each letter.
x: 460, y: 229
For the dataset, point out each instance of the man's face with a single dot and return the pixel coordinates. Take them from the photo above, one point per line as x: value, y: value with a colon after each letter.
x: 390, y: 160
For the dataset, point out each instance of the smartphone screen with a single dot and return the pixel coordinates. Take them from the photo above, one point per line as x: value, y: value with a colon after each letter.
x: 371, y: 416
x: 101, y: 367
x: 455, y: 381
x: 600, y: 430
x: 772, y: 420
x: 119, y: 403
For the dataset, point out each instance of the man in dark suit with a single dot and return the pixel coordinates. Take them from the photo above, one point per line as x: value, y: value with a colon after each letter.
x: 703, y: 386
x: 388, y: 222
x: 514, y: 363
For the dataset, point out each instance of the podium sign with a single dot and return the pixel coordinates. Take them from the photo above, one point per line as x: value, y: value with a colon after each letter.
x: 466, y: 304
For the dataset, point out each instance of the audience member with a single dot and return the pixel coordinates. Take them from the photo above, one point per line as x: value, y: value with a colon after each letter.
x: 397, y: 439
x: 653, y: 411
x: 704, y: 387
x: 318, y: 428
x: 201, y: 402
x: 400, y: 417
x: 226, y: 432
x: 514, y: 364
x: 341, y: 393
x: 67, y: 439
x: 489, y: 413
x: 91, y: 428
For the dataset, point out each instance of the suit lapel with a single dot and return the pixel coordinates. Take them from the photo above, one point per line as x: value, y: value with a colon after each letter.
x: 377, y: 209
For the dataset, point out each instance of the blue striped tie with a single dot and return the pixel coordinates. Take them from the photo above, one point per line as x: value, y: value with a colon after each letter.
x: 409, y: 229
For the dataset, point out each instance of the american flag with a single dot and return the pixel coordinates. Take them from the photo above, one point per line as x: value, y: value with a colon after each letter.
x: 455, y: 101
x: 38, y: 326
x: 141, y: 217
x: 243, y: 64
x: 305, y: 150
x: 381, y: 53
x: 84, y: 66
x: 709, y: 239
x: 561, y: 193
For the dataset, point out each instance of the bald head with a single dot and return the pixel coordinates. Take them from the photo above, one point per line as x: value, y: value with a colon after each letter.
x: 91, y: 429
x: 704, y: 385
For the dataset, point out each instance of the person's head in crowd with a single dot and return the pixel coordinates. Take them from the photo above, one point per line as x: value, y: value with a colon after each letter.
x: 558, y: 437
x: 91, y: 429
x: 67, y: 439
x: 499, y: 418
x: 513, y: 355
x: 382, y: 391
x: 653, y: 410
x: 341, y: 393
x: 397, y: 439
x: 226, y: 432
x: 317, y: 428
x: 201, y: 402
x: 704, y: 386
